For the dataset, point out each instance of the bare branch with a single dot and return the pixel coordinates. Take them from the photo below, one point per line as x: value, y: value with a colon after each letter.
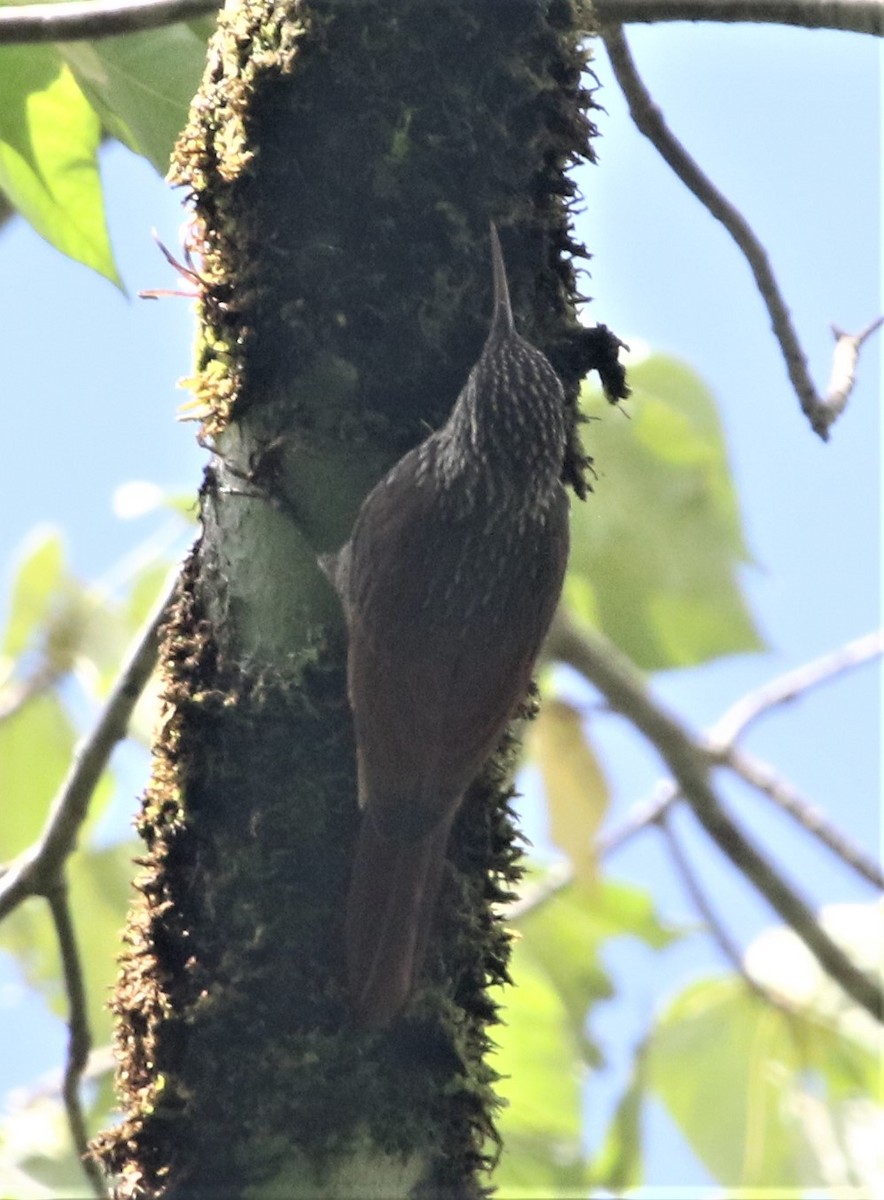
x: 79, y: 1037
x: 718, y: 932
x: 80, y: 20
x: 820, y: 411
x: 786, y: 796
x: 641, y: 816
x: 787, y: 687
x: 93, y: 19
x: 37, y: 870
x: 655, y: 809
x: 855, y: 16
x: 726, y: 944
x: 690, y: 763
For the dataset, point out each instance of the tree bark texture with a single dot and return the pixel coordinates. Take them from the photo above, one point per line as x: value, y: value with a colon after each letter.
x: 342, y: 161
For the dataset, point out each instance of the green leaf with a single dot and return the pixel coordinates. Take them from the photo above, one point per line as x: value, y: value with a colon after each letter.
x: 99, y: 890
x: 54, y: 615
x: 780, y: 960
x: 842, y: 1042
x: 760, y: 1092
x: 558, y: 937
x: 657, y: 548
x: 36, y: 1131
x: 575, y: 788
x: 144, y: 594
x: 564, y: 936
x: 38, y: 577
x: 36, y: 744
x: 102, y: 636
x: 49, y: 136
x: 147, y: 587
x: 714, y: 1060
x: 142, y: 85
x: 619, y: 909
x: 37, y: 1154
x: 543, y: 1072
x: 619, y: 1163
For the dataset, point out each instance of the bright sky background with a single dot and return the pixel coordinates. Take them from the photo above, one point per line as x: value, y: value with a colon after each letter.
x: 787, y: 123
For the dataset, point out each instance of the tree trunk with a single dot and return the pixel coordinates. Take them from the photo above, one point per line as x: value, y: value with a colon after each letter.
x: 343, y: 160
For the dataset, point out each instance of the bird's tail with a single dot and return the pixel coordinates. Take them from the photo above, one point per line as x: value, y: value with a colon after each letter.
x: 390, y: 908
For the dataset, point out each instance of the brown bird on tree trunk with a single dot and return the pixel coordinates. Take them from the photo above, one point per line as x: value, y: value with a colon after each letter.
x: 449, y: 582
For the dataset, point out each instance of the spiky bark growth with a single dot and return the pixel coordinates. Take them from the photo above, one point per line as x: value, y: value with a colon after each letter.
x: 342, y: 161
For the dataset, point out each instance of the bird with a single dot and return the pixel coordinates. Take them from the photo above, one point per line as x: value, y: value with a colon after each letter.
x: 448, y: 583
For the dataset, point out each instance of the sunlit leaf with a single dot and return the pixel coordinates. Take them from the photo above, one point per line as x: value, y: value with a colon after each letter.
x: 565, y: 935
x: 619, y: 1163
x: 782, y: 962
x: 542, y: 1069
x: 147, y: 588
x: 622, y: 909
x: 716, y: 1060
x: 53, y: 614
x: 103, y: 640
x: 144, y: 594
x: 36, y: 744
x: 142, y: 84
x: 556, y: 937
x: 37, y: 1154
x: 37, y: 1129
x: 575, y: 787
x: 784, y: 1118
x: 657, y: 548
x: 99, y: 891
x: 838, y: 1102
x: 49, y: 137
x: 37, y: 578
x: 15, y: 1182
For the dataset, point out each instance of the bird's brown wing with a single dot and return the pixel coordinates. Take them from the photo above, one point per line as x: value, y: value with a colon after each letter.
x: 435, y: 674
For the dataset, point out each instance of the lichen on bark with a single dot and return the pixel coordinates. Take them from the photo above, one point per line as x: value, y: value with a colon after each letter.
x: 342, y: 161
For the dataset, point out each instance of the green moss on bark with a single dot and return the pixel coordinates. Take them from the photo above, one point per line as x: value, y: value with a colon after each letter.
x: 344, y: 160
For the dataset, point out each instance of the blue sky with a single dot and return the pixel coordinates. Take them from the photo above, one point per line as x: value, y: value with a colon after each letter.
x: 787, y: 123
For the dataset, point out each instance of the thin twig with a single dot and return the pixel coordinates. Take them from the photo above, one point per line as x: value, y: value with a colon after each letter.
x: 700, y: 900
x: 821, y: 411
x: 80, y: 20
x: 788, y: 686
x: 36, y: 871
x: 645, y: 813
x: 735, y: 721
x: 93, y: 19
x: 690, y: 764
x: 79, y: 1037
x: 785, y: 795
x: 855, y: 16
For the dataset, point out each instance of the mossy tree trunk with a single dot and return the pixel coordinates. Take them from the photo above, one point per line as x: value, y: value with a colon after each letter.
x: 343, y: 160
